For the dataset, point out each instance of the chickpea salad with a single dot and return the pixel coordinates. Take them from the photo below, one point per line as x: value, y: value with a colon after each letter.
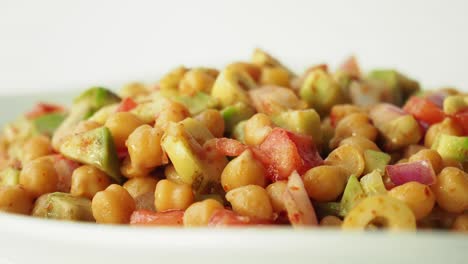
x: 252, y: 144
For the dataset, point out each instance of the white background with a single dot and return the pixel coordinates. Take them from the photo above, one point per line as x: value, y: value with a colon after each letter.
x: 59, y: 45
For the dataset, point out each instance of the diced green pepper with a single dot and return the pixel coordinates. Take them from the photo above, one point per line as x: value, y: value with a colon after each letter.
x: 48, y: 123
x: 305, y: 122
x: 238, y: 131
x: 375, y: 160
x: 399, y: 86
x: 372, y: 183
x: 452, y: 147
x: 236, y: 113
x: 352, y: 195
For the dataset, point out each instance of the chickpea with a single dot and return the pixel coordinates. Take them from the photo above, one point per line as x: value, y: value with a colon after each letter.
x: 257, y: 128
x: 134, y: 90
x: 121, y: 125
x: 451, y: 190
x: 142, y: 191
x: 243, y: 170
x: 452, y: 163
x: 252, y: 201
x: 130, y: 170
x: 171, y: 80
x: 461, y: 223
x: 39, y: 176
x: 196, y: 80
x: 199, y: 213
x: 144, y: 147
x: 430, y: 155
x: 355, y: 124
x: 419, y: 198
x: 411, y: 150
x: 85, y: 126
x: 359, y: 142
x: 173, y: 112
x: 114, y: 205
x: 15, y: 199
x: 253, y: 70
x: 36, y: 147
x: 87, y: 180
x: 213, y: 120
x: 276, y: 191
x: 340, y: 111
x: 349, y: 158
x: 274, y: 76
x: 331, y: 221
x: 325, y: 183
x: 447, y: 126
x: 172, y: 196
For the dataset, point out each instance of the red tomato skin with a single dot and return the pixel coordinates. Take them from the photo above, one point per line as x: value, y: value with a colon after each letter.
x: 225, y: 217
x: 43, y: 108
x: 226, y: 146
x: 283, y: 152
x: 126, y: 105
x: 424, y: 110
x: 150, y: 218
x: 461, y: 117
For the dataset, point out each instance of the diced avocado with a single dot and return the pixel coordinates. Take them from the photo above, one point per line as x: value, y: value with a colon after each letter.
x: 84, y: 106
x: 63, y: 206
x: 330, y: 208
x: 231, y: 87
x: 352, y: 195
x: 236, y: 113
x: 398, y: 85
x: 305, y: 122
x: 102, y: 114
x: 9, y: 177
x: 400, y: 132
x: 196, y: 103
x: 452, y: 147
x: 95, y: 147
x: 321, y: 91
x: 455, y: 103
x: 48, y: 123
x: 372, y: 183
x: 238, y: 131
x: 375, y: 160
x: 190, y: 161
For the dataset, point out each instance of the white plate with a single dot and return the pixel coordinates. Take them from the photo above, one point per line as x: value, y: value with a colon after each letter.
x: 28, y: 240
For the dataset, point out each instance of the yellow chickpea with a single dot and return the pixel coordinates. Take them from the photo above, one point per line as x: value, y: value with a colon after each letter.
x: 142, y: 191
x: 349, y: 158
x: 461, y: 223
x: 252, y: 201
x: 257, y: 128
x: 213, y: 120
x: 134, y: 90
x: 114, y: 205
x: 451, y: 190
x: 355, y: 124
x: 15, y: 199
x: 199, y: 213
x: 130, y: 170
x: 36, y: 147
x: 430, y: 155
x: 196, y: 80
x: 274, y: 76
x: 325, y: 183
x: 172, y: 196
x: 173, y: 112
x: 87, y: 180
x: 243, y: 170
x: 251, y: 69
x: 276, y: 191
x: 144, y: 147
x: 447, y: 126
x: 359, y: 142
x: 121, y: 125
x: 452, y: 163
x: 331, y: 221
x: 342, y: 110
x: 419, y: 198
x: 39, y: 176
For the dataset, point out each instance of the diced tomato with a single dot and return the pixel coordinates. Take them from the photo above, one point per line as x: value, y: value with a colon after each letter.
x: 122, y: 153
x: 126, y: 105
x: 351, y: 67
x: 461, y: 117
x: 226, y: 146
x: 424, y: 110
x: 150, y: 218
x: 283, y: 152
x: 64, y: 168
x: 43, y: 108
x: 225, y: 217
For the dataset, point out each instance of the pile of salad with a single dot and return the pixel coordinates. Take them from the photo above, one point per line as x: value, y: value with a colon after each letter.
x: 252, y: 144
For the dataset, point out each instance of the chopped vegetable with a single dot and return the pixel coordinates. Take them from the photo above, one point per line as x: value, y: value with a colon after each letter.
x: 419, y: 171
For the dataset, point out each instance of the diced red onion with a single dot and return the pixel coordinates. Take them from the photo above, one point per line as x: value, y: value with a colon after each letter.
x: 418, y: 171
x: 384, y: 113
